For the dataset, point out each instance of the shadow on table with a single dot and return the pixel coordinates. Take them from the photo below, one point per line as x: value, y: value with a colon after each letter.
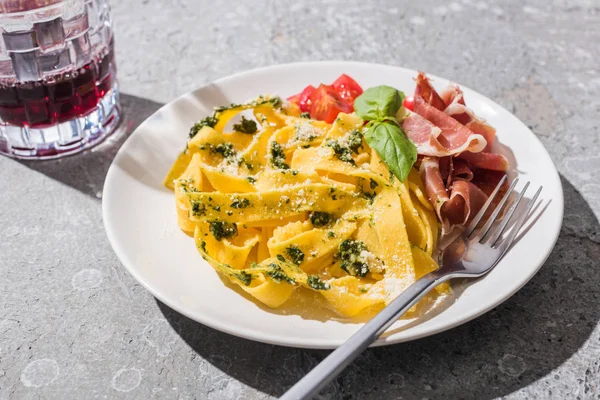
x: 86, y: 171
x: 510, y: 347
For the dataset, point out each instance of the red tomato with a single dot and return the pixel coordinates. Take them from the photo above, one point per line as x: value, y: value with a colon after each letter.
x: 303, y: 99
x: 294, y: 99
x: 409, y: 102
x: 327, y: 104
x: 306, y: 98
x: 347, y: 88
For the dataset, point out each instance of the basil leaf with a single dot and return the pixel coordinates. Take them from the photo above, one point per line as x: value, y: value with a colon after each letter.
x: 393, y: 146
x: 378, y: 102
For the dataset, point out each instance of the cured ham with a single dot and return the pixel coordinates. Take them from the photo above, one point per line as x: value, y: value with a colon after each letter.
x: 461, y: 170
x: 454, y: 137
x: 428, y: 93
x: 455, y: 107
x: 455, y: 205
x: 432, y: 140
x: 493, y: 161
x: 456, y: 161
x: 435, y: 132
x: 427, y: 137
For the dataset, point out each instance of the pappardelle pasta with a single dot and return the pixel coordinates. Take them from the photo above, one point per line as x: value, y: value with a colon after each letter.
x: 279, y: 202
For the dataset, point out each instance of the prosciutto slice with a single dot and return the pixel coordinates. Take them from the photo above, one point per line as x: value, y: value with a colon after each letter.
x: 453, y: 97
x: 455, y: 205
x: 450, y: 137
x: 455, y: 107
x: 428, y: 93
x: 434, y: 132
x: 493, y: 161
x: 461, y: 170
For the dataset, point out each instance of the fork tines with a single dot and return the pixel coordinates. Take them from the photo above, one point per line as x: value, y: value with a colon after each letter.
x: 493, y: 236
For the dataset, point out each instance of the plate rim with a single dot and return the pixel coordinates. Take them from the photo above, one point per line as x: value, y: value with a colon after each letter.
x: 251, y: 334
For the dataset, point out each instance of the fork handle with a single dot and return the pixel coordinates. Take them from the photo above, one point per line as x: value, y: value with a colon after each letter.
x: 340, y: 358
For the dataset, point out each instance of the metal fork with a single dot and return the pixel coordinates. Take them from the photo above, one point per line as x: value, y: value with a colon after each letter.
x: 473, y: 254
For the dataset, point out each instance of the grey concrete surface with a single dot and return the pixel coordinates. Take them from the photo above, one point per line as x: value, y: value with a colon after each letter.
x: 74, y: 324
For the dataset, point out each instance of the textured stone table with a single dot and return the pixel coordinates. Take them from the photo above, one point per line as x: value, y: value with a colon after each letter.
x: 74, y: 324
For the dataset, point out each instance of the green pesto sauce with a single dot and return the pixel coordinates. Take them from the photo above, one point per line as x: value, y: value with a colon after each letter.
x: 352, y: 262
x: 352, y: 143
x: 198, y: 209
x: 278, y: 156
x: 316, y: 283
x: 341, y: 152
x: 211, y: 121
x: 224, y: 149
x: 246, y: 126
x: 278, y: 274
x: 244, y: 277
x: 295, y: 254
x: 320, y: 219
x: 240, y: 203
x: 208, y: 121
x: 354, y: 140
x: 222, y: 229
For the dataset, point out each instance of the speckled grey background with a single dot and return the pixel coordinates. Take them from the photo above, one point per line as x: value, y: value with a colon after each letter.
x: 74, y: 324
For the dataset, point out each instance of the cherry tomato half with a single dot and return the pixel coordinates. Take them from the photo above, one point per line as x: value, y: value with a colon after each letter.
x: 409, y: 102
x: 327, y: 104
x: 294, y: 99
x: 303, y: 99
x: 347, y: 88
x: 306, y: 98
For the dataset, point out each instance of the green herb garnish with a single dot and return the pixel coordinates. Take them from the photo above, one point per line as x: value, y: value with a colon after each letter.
x: 379, y: 106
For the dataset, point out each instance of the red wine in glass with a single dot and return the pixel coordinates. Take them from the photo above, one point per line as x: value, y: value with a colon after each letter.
x: 66, y: 96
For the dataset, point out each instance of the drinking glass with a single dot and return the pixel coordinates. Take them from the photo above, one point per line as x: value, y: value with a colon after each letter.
x: 58, y: 88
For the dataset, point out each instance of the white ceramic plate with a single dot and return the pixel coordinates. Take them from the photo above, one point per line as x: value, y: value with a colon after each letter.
x: 139, y: 215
